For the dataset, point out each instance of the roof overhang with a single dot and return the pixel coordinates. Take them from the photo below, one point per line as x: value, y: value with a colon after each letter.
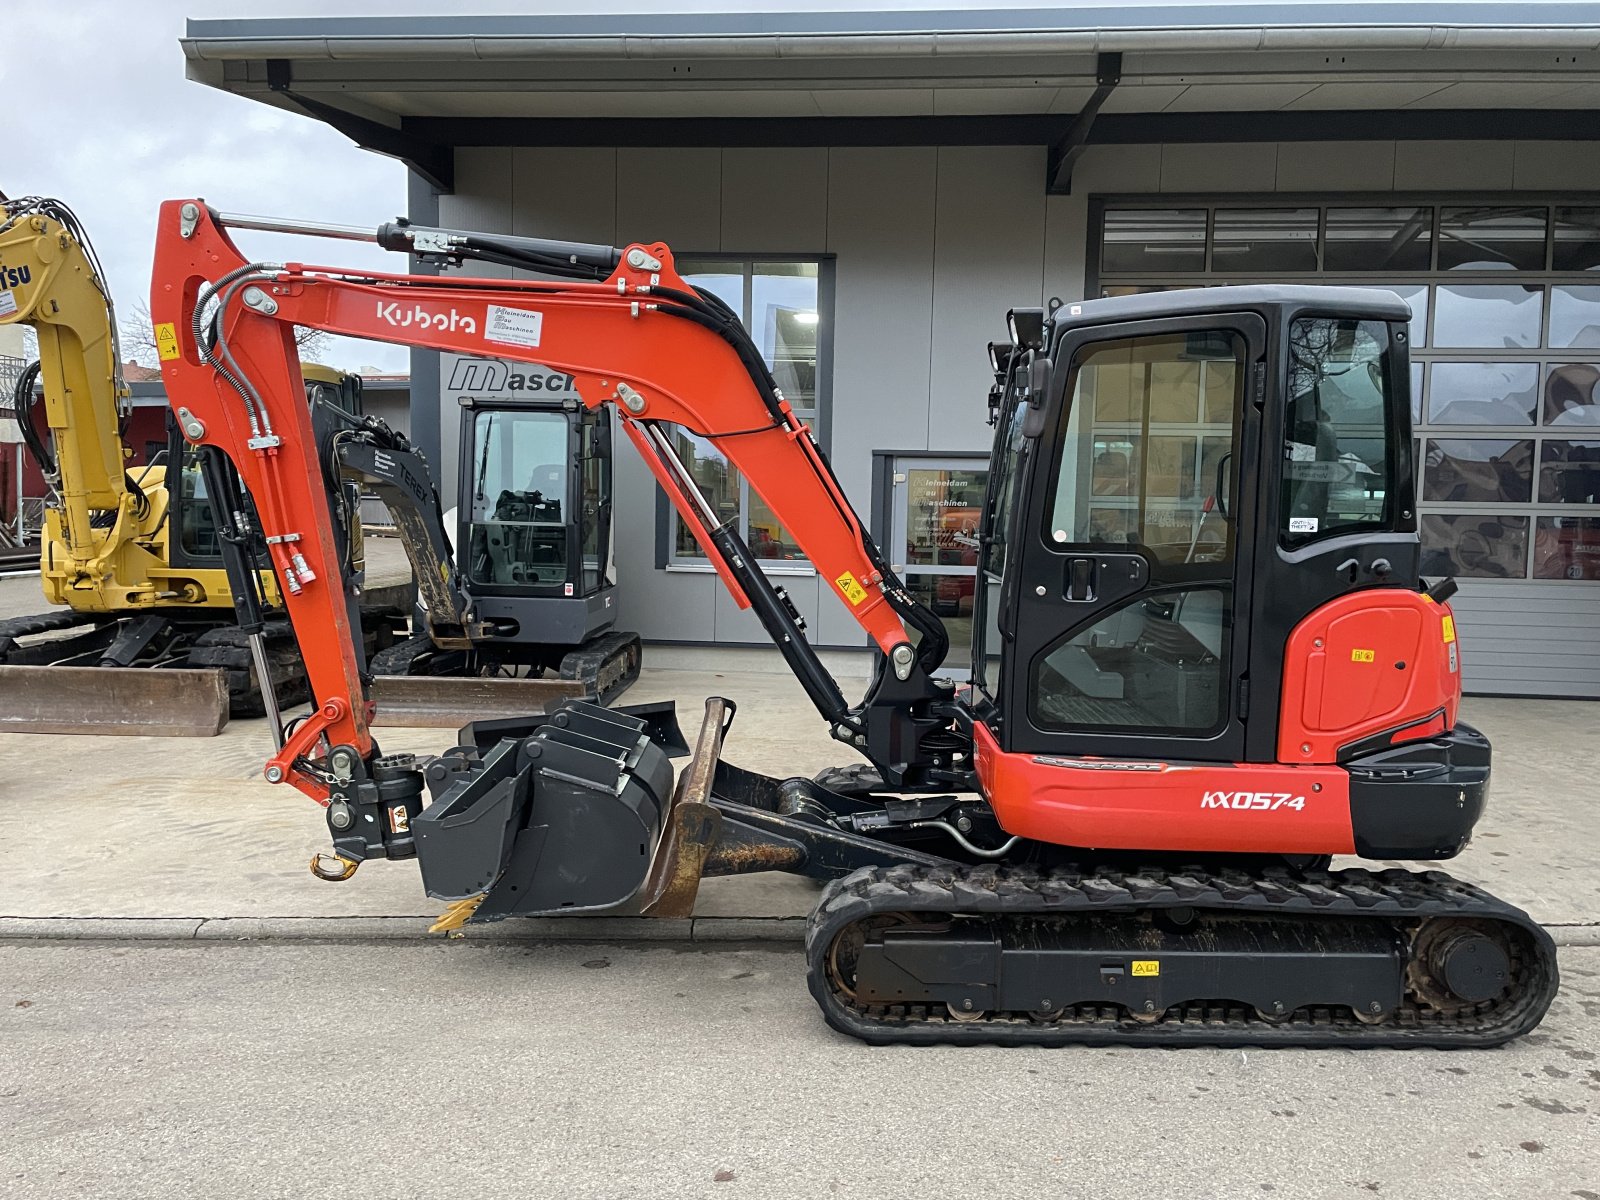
x: 417, y: 87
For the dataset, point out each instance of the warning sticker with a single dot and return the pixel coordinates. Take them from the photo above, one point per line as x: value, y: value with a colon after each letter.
x: 1302, y: 524
x: 852, y: 590
x: 166, y: 341
x: 1146, y: 966
x: 1449, y: 628
x: 1363, y: 656
x: 514, y: 326
x: 8, y: 304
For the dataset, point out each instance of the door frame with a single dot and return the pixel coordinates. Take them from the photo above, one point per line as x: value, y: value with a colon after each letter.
x: 1027, y: 600
x: 888, y: 520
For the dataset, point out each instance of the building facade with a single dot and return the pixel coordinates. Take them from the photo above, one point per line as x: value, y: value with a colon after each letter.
x: 872, y: 191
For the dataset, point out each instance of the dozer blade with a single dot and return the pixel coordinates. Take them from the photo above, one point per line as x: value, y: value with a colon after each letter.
x: 153, y: 701
x: 430, y: 701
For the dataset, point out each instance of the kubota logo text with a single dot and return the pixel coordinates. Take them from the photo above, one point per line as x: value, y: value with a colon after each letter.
x: 421, y: 318
x: 1256, y: 801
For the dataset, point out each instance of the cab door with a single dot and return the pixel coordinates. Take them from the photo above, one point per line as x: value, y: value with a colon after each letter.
x: 1123, y: 610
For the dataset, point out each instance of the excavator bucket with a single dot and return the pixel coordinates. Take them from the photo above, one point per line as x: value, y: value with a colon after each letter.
x: 158, y: 702
x: 577, y: 813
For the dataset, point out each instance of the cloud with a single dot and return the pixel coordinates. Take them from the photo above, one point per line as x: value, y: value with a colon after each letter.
x: 100, y: 115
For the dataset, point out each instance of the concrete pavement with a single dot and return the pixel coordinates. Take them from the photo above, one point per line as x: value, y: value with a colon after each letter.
x: 316, y: 1070
x: 125, y: 827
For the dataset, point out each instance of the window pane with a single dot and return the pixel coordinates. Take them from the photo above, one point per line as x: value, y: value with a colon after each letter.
x: 1158, y: 662
x: 1483, y: 393
x: 1143, y: 239
x: 1378, y: 239
x: 1479, y: 470
x: 1567, y: 548
x: 1335, y: 457
x: 516, y: 532
x: 942, y: 511
x: 1575, y: 316
x: 1577, y: 239
x: 1264, y: 239
x: 1569, y: 472
x: 767, y: 538
x: 718, y: 482
x: 950, y: 596
x: 783, y: 321
x: 725, y: 280
x: 1128, y: 467
x: 1572, y: 394
x: 1490, y: 238
x: 1415, y: 295
x: 1416, y: 393
x: 1488, y: 315
x: 1475, y: 546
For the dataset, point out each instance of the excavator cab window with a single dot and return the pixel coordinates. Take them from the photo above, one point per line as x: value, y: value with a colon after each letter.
x: 1338, y: 461
x: 517, y: 528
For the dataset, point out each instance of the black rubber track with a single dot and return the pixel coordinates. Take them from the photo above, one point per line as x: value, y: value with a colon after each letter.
x: 1401, y: 899
x: 607, y: 665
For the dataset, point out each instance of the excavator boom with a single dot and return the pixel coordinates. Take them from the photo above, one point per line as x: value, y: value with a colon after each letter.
x: 643, y: 340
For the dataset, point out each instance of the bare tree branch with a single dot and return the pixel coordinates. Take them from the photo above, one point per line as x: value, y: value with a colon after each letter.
x: 139, y: 339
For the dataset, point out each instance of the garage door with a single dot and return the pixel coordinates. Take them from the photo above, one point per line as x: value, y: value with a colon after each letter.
x: 1505, y: 351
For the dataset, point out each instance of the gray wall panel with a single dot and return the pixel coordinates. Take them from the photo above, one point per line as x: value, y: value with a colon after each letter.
x: 880, y: 225
x: 1210, y: 167
x: 672, y: 196
x: 989, y: 256
x: 1453, y: 166
x: 774, y: 200
x: 1335, y: 166
x: 565, y: 192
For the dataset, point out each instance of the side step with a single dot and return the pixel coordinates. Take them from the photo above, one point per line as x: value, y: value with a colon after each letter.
x: 149, y: 701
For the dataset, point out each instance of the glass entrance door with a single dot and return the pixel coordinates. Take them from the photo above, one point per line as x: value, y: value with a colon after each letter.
x: 936, y: 505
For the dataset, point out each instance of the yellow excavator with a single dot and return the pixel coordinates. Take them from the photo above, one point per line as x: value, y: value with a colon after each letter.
x: 130, y: 554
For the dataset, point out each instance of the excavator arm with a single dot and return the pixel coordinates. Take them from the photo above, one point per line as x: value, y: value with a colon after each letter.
x: 633, y: 334
x: 51, y: 281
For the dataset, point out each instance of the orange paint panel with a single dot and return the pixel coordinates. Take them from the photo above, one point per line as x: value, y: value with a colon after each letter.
x: 1361, y: 665
x: 1110, y: 804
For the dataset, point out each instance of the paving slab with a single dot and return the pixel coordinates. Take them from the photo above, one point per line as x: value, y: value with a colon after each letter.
x: 157, y: 827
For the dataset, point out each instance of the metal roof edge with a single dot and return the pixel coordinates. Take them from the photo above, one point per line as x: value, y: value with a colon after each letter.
x: 1370, y: 24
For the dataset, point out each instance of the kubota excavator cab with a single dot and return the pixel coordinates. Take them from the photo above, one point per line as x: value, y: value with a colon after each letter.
x: 1201, y: 546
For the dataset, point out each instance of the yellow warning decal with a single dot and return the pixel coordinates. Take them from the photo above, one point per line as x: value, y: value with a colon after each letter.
x: 852, y: 590
x: 166, y: 341
x: 1146, y: 966
x: 1363, y: 656
x: 1449, y: 626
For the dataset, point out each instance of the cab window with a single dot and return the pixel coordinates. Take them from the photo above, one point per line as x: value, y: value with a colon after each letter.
x: 1338, y: 454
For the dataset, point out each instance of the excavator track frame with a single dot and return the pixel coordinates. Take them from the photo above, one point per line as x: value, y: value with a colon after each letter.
x: 1404, y: 903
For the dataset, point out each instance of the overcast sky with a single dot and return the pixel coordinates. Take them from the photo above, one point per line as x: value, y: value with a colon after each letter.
x: 99, y: 114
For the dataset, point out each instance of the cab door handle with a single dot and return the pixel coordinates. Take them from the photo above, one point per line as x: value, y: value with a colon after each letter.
x: 1080, y: 578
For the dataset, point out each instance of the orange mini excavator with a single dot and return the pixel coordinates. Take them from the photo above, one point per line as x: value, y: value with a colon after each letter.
x: 1204, y: 662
